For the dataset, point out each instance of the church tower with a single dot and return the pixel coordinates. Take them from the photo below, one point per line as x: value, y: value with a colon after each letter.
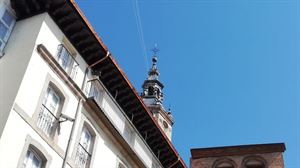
x: 153, y: 98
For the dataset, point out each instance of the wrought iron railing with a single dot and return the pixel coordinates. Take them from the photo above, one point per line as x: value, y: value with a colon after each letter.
x: 46, y: 120
x: 67, y: 61
x: 82, y: 157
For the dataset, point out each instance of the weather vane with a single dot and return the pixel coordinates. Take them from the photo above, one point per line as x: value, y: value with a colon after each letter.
x: 155, y: 50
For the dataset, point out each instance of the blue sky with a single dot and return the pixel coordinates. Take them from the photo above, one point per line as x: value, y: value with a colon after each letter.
x: 231, y: 68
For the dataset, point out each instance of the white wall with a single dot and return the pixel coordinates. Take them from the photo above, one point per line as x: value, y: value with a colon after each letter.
x: 15, y: 61
x: 50, y: 36
x: 14, y: 139
x: 37, y: 30
x: 20, y: 50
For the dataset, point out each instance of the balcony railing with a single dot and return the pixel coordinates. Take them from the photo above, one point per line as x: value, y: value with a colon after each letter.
x: 46, y: 120
x: 82, y: 157
x: 66, y: 61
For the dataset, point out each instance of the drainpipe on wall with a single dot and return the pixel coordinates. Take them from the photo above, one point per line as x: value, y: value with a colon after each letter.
x: 72, y: 132
x: 90, y: 66
x: 172, y: 165
x: 102, y: 59
x: 79, y: 108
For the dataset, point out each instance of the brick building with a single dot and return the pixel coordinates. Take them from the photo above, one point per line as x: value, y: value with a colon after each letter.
x: 242, y: 156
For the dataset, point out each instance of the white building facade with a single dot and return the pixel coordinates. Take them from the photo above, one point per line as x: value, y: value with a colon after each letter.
x: 64, y: 101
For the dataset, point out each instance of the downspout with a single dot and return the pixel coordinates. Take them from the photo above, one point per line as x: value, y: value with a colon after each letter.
x: 172, y: 165
x: 78, y: 108
x: 102, y: 59
x: 72, y: 132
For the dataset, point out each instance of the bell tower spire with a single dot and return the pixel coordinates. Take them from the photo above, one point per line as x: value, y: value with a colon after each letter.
x: 153, y: 97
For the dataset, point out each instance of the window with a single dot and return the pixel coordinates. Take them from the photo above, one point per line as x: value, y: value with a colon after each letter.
x: 7, y: 22
x: 32, y: 160
x: 66, y: 61
x: 165, y: 124
x: 83, y: 153
x: 47, y: 115
x: 224, y: 163
x: 254, y: 162
x: 34, y: 155
x: 150, y: 91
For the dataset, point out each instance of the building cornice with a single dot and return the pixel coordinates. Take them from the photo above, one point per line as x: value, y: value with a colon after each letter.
x: 237, y: 150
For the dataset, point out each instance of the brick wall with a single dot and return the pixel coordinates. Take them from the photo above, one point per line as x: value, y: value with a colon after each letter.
x: 272, y: 160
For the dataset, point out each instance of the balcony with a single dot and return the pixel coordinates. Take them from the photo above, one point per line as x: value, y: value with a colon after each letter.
x: 105, y: 105
x: 46, y: 120
x: 67, y: 61
x: 82, y: 157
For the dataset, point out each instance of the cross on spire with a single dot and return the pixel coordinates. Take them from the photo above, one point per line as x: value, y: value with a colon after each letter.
x: 155, y: 50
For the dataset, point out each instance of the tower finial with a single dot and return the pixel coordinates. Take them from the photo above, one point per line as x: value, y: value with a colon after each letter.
x: 155, y: 50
